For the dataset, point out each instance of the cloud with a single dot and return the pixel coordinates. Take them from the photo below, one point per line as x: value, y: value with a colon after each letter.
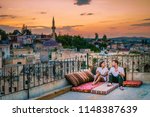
x: 142, y: 24
x: 147, y: 19
x: 7, y: 16
x: 83, y: 14
x: 40, y: 29
x: 112, y: 28
x: 43, y: 12
x: 33, y: 18
x: 69, y: 28
x: 82, y: 2
x: 90, y: 14
x: 8, y: 28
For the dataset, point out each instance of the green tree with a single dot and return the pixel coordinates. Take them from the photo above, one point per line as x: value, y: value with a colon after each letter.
x: 3, y: 34
x: 25, y: 30
x: 75, y: 42
x: 16, y: 32
x: 104, y: 42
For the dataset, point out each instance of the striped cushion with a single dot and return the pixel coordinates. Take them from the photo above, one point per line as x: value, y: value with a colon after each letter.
x: 104, y: 89
x: 89, y: 74
x: 85, y: 77
x: 78, y: 78
x: 73, y: 79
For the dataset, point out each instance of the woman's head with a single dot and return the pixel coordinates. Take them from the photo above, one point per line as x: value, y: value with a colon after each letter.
x: 102, y: 64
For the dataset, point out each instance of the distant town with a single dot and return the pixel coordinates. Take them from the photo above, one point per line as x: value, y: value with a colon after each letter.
x: 23, y: 47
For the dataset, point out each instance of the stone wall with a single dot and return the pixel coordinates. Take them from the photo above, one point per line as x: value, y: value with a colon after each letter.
x: 37, y: 91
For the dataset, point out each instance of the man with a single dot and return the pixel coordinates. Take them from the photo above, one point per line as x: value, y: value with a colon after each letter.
x: 101, y: 73
x: 116, y: 74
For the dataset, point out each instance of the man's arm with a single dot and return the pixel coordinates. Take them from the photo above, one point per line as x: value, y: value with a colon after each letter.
x: 122, y: 73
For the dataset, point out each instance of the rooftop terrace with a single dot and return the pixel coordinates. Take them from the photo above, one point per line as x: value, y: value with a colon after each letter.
x: 141, y: 93
x: 36, y: 80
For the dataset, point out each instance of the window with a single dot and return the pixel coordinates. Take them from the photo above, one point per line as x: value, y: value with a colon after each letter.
x: 19, y: 63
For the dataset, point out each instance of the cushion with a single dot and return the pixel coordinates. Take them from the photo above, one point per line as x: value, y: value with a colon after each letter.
x: 132, y: 83
x: 89, y: 74
x: 73, y: 79
x: 86, y: 87
x: 79, y: 78
x: 104, y: 89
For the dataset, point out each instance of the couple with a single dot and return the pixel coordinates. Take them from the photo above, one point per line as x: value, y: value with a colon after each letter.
x: 116, y: 74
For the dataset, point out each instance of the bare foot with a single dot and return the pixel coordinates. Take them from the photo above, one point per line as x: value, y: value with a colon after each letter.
x: 109, y: 84
x: 121, y: 88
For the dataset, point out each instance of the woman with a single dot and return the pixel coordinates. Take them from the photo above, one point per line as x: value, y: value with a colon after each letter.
x: 101, y: 73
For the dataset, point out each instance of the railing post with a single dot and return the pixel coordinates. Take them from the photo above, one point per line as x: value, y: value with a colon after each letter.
x: 87, y: 60
x: 28, y: 82
x: 132, y: 66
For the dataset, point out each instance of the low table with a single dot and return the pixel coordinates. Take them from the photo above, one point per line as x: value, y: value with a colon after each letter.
x: 104, y: 89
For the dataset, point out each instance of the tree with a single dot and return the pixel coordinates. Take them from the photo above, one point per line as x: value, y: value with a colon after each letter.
x: 16, y: 32
x: 96, y: 36
x: 75, y: 42
x: 3, y: 34
x: 104, y: 43
x: 25, y: 30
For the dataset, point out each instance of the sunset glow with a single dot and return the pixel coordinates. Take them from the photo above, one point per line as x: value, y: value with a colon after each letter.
x: 84, y: 17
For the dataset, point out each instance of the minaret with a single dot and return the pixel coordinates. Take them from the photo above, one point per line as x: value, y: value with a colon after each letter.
x: 53, y: 29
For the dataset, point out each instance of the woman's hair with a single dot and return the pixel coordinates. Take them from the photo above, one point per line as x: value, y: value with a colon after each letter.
x: 100, y: 64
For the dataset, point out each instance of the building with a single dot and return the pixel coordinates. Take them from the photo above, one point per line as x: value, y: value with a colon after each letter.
x: 15, y: 45
x: 16, y: 60
x: 22, y: 52
x: 25, y: 39
x: 54, y: 35
x: 5, y: 50
x: 1, y: 59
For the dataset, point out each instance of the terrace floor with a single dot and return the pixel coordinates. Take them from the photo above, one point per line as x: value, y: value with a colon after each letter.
x: 140, y: 93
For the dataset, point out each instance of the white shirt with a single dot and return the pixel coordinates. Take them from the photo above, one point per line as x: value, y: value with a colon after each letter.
x: 102, y: 71
x: 116, y: 72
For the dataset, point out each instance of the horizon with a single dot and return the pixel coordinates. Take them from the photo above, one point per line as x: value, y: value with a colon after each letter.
x: 115, y: 18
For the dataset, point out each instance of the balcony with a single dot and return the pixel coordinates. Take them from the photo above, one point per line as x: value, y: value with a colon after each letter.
x: 34, y: 81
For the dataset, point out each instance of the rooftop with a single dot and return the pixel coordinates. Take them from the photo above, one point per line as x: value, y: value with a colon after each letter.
x: 37, y: 80
x: 141, y: 93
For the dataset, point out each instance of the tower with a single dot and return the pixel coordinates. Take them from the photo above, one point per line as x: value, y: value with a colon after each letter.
x: 53, y: 29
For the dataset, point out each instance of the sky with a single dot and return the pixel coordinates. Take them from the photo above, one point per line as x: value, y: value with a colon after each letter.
x: 78, y: 17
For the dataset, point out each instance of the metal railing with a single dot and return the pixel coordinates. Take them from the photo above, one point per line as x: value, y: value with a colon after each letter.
x: 15, y: 78
x: 132, y: 63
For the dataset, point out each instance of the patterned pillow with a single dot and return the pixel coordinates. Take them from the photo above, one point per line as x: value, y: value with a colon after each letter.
x: 134, y: 83
x: 73, y: 79
x: 89, y: 78
x: 89, y: 74
x: 83, y: 76
x: 79, y: 77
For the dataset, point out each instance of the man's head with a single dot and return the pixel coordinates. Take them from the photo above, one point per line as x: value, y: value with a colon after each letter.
x: 115, y: 63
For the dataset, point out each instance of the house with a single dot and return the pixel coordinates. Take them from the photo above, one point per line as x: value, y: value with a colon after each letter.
x: 25, y: 39
x: 22, y: 51
x: 5, y: 50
